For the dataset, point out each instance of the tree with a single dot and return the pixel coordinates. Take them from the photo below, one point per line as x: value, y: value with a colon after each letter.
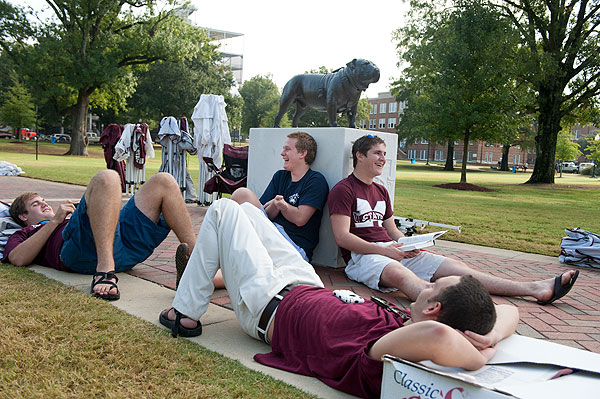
x: 565, y: 148
x: 562, y: 64
x: 261, y: 103
x: 459, y: 80
x: 593, y: 152
x: 17, y: 111
x: 88, y: 51
x: 173, y: 88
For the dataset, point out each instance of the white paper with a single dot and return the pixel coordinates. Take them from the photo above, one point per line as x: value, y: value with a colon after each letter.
x: 419, y: 241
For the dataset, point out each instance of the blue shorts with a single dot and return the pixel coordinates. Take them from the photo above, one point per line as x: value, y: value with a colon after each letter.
x: 136, y: 238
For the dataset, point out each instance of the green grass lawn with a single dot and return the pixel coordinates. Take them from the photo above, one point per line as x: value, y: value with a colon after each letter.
x: 529, y: 218
x: 513, y: 216
x: 58, y: 342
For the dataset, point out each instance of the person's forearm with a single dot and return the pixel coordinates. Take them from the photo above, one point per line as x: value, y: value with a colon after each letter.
x: 271, y: 210
x: 357, y: 245
x: 507, y: 318
x: 298, y: 215
x: 28, y: 250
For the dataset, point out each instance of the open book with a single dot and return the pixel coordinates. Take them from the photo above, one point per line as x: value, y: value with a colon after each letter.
x: 419, y: 241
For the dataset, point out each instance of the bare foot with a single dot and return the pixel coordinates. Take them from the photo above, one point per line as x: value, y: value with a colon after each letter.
x: 104, y: 285
x: 185, y: 321
x: 551, y: 292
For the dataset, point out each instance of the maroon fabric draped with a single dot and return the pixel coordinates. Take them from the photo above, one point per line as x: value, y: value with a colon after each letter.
x: 109, y: 138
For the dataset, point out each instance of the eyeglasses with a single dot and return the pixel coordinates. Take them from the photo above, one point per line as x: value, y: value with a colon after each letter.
x: 383, y: 303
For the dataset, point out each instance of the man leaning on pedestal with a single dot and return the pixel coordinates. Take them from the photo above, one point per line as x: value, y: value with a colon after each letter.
x: 363, y: 225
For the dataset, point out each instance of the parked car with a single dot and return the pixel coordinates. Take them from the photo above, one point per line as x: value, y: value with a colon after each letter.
x: 93, y: 137
x: 585, y: 165
x: 569, y: 167
x: 60, y: 138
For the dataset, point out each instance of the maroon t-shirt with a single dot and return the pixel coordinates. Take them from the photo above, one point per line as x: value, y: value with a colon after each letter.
x: 367, y: 205
x: 318, y: 335
x: 50, y: 253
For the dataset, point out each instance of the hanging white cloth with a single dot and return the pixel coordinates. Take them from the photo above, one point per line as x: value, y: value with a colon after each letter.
x: 211, y: 133
x: 175, y: 141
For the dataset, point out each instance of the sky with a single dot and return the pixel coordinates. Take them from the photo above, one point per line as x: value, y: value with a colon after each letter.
x: 284, y: 38
x: 288, y: 38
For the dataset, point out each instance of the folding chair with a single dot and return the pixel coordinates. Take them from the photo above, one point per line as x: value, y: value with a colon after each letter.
x: 232, y: 175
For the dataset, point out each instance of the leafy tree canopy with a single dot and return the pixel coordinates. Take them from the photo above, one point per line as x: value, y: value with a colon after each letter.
x: 88, y: 51
x: 261, y: 103
x: 458, y: 78
x: 561, y: 61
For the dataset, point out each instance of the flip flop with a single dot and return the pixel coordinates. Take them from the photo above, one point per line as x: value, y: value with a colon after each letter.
x: 559, y: 289
x: 104, y: 278
x: 176, y: 327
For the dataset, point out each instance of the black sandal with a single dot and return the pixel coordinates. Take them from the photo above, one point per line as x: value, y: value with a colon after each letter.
x: 176, y: 327
x: 104, y: 278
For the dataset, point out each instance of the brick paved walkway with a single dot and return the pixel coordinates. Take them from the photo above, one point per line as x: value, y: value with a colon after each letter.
x: 573, y: 321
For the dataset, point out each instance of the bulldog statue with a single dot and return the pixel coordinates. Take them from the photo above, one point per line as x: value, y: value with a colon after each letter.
x: 335, y: 92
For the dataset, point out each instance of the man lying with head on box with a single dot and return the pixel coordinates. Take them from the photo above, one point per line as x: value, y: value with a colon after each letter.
x: 278, y: 298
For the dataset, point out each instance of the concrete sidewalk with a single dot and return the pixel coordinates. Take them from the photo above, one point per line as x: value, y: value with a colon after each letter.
x: 573, y: 320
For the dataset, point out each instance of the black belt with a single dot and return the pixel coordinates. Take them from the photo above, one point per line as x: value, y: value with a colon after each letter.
x: 263, y: 323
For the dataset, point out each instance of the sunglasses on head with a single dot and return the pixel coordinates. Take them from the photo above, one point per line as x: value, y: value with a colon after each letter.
x: 385, y: 304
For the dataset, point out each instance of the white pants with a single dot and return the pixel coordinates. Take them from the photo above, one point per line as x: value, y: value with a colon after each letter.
x: 256, y: 261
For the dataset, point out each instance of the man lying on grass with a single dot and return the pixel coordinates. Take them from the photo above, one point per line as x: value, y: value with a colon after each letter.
x: 96, y: 236
x: 278, y: 298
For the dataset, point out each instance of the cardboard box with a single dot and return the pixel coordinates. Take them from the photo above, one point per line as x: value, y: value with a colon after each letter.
x: 523, y: 367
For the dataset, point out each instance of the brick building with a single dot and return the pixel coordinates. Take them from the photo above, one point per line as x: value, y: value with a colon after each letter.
x: 386, y: 113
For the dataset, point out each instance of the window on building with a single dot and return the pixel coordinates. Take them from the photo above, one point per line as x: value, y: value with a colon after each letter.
x: 402, y: 143
x: 393, y: 107
x: 416, y: 141
x: 391, y: 123
x: 470, y: 142
x: 423, y: 155
x: 456, y: 143
x: 374, y: 108
x: 412, y: 154
x: 489, y: 157
x: 454, y: 155
x: 382, y: 123
x: 577, y: 133
x: 439, y: 155
x: 470, y: 156
x: 363, y: 123
x: 372, y: 123
x: 382, y: 108
x: 516, y: 159
x: 424, y: 141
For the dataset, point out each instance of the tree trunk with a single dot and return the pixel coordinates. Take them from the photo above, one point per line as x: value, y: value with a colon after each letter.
x: 504, y: 163
x: 549, y: 101
x: 463, y: 169
x: 449, y: 166
x: 79, y: 114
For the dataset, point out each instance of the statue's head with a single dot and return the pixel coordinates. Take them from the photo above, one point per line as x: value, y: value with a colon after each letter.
x: 363, y: 72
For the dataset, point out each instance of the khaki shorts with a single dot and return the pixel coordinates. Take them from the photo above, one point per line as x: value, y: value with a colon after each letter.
x: 367, y: 268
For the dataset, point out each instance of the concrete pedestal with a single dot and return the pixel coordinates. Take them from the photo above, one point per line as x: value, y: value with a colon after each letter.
x: 333, y: 160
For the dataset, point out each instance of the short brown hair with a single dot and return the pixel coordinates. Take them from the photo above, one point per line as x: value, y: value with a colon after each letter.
x: 467, y: 305
x: 305, y: 142
x: 363, y: 145
x: 19, y: 207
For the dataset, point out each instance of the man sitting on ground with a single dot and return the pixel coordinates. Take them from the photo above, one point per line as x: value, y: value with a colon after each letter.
x: 295, y: 197
x: 99, y: 238
x: 363, y: 225
x: 277, y: 297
